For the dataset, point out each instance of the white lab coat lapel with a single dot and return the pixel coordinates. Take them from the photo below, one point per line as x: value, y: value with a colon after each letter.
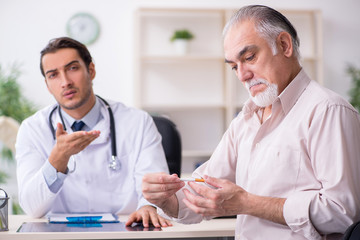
x: 104, y: 125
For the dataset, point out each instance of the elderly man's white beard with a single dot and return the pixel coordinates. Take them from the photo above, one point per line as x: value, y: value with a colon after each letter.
x: 265, y: 98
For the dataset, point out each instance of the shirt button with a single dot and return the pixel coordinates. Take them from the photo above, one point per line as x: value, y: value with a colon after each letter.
x: 258, y: 145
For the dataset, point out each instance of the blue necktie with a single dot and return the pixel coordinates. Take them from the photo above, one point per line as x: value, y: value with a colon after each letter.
x: 77, y: 126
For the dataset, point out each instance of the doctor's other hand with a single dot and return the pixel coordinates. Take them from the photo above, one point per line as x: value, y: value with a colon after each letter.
x: 147, y: 214
x: 69, y: 144
x: 160, y: 189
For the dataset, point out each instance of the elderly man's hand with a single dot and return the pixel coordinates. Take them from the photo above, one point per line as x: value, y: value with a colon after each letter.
x: 160, y: 189
x: 220, y: 198
x: 225, y: 198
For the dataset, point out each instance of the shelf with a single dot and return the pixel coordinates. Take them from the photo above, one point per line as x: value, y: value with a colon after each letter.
x: 182, y: 83
x: 179, y: 107
x: 197, y: 153
x: 172, y: 13
x: 158, y: 25
x: 309, y: 58
x: 164, y: 58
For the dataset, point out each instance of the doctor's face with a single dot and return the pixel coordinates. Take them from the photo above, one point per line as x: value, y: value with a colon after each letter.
x: 68, y: 79
x: 255, y: 63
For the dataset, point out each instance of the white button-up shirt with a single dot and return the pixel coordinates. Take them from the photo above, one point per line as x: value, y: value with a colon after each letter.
x: 307, y: 151
x: 93, y: 187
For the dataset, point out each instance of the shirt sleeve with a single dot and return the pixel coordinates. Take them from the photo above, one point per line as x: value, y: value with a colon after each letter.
x: 151, y: 157
x: 35, y: 196
x: 334, y: 134
x: 185, y: 216
x: 222, y: 164
x: 53, y: 179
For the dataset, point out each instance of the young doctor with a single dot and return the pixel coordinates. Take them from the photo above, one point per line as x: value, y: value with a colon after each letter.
x: 85, y: 154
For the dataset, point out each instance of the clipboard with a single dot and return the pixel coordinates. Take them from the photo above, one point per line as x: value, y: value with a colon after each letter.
x: 82, y: 218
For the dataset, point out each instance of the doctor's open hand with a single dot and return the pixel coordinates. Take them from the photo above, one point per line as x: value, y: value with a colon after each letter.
x: 69, y: 144
x: 160, y: 189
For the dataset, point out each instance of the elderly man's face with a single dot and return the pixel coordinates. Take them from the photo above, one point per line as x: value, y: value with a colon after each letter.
x: 252, y: 59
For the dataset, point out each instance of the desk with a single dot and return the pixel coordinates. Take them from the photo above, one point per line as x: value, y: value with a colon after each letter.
x: 213, y: 229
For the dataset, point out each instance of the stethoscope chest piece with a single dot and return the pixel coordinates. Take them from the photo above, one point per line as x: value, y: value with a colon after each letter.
x: 114, y: 164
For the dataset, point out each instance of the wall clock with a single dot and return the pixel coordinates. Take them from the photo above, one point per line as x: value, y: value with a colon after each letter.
x: 83, y: 27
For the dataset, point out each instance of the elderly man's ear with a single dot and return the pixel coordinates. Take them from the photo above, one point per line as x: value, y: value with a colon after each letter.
x: 284, y: 43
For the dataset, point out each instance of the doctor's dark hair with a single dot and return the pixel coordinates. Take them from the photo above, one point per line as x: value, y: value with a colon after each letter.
x: 269, y: 23
x: 66, y: 42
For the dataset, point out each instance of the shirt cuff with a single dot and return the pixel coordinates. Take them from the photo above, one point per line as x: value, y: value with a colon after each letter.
x: 53, y: 178
x: 144, y: 202
x: 185, y: 214
x: 297, y: 214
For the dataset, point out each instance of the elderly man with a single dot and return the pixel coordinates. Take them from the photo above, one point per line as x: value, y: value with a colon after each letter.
x: 288, y: 166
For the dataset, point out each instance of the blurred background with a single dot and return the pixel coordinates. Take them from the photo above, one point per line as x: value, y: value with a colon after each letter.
x: 122, y: 45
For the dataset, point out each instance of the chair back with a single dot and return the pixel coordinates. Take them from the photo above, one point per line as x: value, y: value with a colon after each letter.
x: 171, y: 142
x: 353, y: 232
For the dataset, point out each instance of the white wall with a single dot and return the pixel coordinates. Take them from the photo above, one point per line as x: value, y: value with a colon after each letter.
x: 27, y: 26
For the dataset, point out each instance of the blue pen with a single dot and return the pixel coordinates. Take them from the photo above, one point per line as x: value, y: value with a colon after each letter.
x: 84, y: 219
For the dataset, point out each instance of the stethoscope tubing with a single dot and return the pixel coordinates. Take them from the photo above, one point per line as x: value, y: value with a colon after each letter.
x: 112, y: 128
x: 112, y: 125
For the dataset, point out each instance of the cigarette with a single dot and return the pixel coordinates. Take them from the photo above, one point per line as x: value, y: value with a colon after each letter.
x: 192, y: 179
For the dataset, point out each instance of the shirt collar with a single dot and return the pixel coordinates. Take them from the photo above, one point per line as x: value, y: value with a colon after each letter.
x: 90, y: 119
x: 293, y: 91
x: 287, y: 98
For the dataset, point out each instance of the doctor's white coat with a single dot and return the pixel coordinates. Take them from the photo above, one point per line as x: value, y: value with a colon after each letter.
x: 93, y: 187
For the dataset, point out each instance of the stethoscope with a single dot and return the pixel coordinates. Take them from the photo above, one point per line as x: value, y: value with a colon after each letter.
x: 114, y: 163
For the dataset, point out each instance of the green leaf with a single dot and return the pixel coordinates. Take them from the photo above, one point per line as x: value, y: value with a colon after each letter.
x: 3, y: 177
x: 16, y: 209
x: 355, y: 90
x: 12, y: 102
x: 182, y: 34
x: 7, y: 154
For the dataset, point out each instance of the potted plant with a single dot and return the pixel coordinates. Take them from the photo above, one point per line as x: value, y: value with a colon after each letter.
x: 181, y: 39
x: 355, y: 90
x: 14, y: 108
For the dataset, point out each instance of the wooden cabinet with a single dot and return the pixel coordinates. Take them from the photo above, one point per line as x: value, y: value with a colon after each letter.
x: 197, y: 90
